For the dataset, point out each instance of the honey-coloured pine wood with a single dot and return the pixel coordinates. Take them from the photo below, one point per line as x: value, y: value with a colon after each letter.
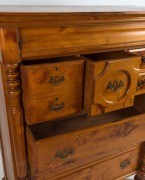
x: 32, y: 33
x: 114, y: 167
x: 12, y: 116
x: 65, y: 40
x: 52, y: 76
x: 52, y: 89
x: 56, y: 154
x: 52, y: 107
x: 110, y: 81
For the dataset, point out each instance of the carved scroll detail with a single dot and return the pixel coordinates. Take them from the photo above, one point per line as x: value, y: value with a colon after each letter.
x: 13, y: 90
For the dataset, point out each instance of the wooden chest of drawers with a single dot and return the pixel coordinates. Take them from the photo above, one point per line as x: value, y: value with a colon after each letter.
x: 72, y: 92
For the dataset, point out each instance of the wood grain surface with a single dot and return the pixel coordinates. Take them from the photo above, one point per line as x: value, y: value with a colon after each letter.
x: 87, y: 144
x: 32, y: 33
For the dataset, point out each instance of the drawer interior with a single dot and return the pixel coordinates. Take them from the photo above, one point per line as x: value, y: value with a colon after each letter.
x: 68, y: 125
x: 49, y: 60
x: 96, y: 57
x: 109, y: 55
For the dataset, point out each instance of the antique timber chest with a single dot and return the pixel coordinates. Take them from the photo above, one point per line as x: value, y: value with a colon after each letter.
x: 72, y: 92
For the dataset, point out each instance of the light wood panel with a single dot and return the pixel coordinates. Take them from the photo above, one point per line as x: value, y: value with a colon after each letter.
x: 56, y: 41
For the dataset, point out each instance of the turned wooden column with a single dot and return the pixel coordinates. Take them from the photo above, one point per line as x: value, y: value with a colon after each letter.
x: 12, y: 128
x: 141, y: 172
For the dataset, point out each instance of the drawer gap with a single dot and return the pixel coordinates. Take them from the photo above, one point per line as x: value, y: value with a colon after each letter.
x: 109, y: 55
x: 49, y: 60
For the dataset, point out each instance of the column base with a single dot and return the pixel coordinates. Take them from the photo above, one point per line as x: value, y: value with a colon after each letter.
x: 139, y: 176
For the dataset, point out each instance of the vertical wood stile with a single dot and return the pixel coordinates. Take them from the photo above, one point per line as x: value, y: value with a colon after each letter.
x: 141, y: 172
x: 12, y: 91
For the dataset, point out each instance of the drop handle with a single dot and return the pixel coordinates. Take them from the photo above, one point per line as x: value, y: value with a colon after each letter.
x: 125, y: 163
x: 65, y: 153
x: 141, y: 83
x: 143, y: 59
x: 57, y: 107
x: 115, y: 85
x: 56, y: 80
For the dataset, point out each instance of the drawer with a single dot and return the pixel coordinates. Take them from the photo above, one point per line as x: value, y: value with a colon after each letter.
x: 116, y: 166
x: 139, y: 52
x: 52, y: 88
x: 52, y: 107
x: 110, y: 81
x: 67, y: 37
x: 59, y: 146
x: 51, y: 76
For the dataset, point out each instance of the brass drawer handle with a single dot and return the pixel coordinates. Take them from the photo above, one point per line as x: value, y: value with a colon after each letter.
x: 115, y: 85
x: 141, y: 83
x: 65, y: 154
x: 125, y: 163
x: 143, y: 59
x: 56, y: 80
x: 57, y: 107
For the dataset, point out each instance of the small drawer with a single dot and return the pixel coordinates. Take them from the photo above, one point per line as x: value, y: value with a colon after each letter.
x: 52, y: 107
x: 60, y: 146
x: 110, y: 81
x: 114, y: 167
x: 52, y: 88
x: 52, y: 76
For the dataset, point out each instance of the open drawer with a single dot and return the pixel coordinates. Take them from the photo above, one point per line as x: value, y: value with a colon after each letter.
x: 52, y: 88
x: 110, y: 81
x: 58, y: 146
x: 141, y: 78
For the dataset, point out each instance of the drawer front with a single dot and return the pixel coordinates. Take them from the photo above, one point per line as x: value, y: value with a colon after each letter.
x: 113, y: 86
x: 63, y: 40
x: 52, y: 77
x: 43, y: 109
x: 111, y: 169
x: 64, y: 152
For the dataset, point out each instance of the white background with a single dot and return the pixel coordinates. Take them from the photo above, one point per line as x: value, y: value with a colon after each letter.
x: 73, y: 2
x: 69, y: 2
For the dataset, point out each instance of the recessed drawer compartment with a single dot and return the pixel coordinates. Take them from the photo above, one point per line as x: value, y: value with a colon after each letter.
x: 113, y: 167
x: 52, y: 88
x: 59, y: 146
x: 110, y: 81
